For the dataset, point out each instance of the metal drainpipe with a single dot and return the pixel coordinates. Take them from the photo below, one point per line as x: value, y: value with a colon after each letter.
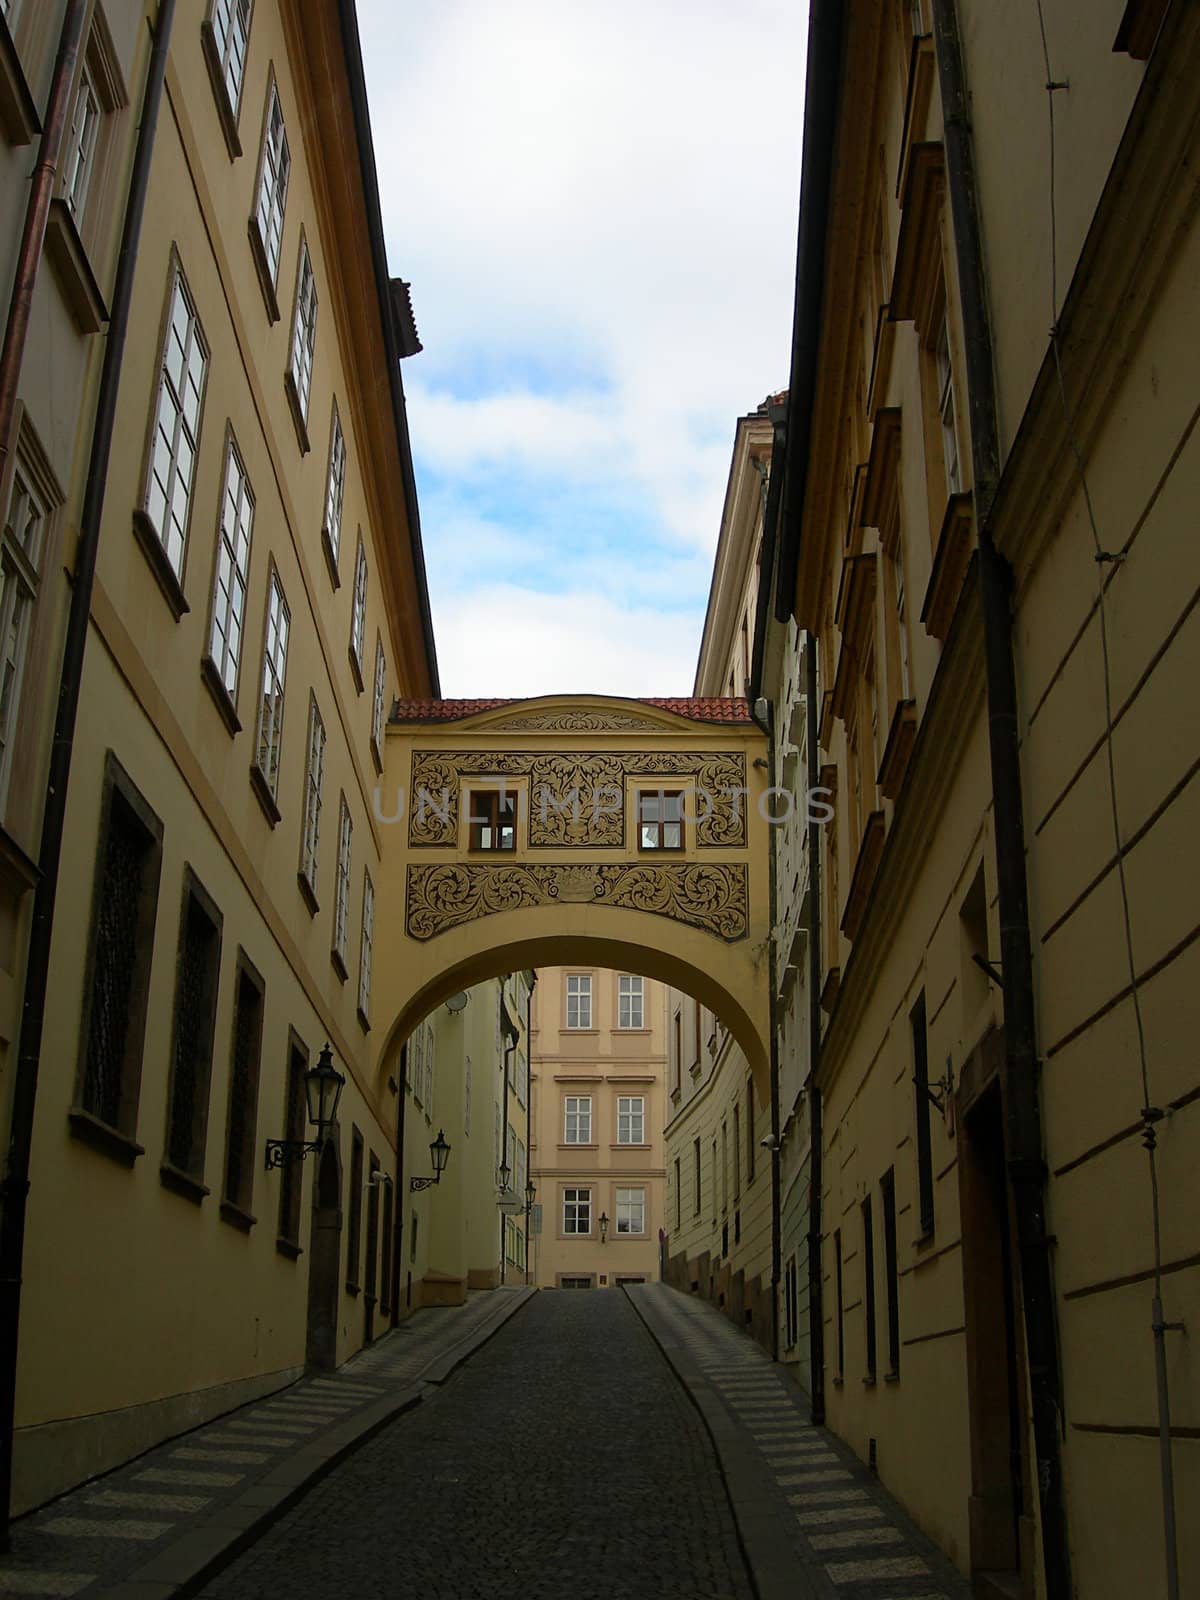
x: 1026, y: 1164
x: 816, y: 1326
x: 16, y: 1184
x: 767, y: 724
x: 37, y: 210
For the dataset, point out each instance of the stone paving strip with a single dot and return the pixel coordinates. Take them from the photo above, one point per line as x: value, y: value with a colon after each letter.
x: 814, y: 1522
x: 163, y: 1523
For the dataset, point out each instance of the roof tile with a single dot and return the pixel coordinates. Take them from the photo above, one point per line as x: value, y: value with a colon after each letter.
x: 724, y: 709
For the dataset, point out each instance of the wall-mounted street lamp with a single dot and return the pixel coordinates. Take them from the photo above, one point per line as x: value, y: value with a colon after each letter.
x: 504, y: 1177
x: 940, y: 1090
x: 457, y: 1002
x: 603, y: 1226
x: 530, y: 1195
x: 439, y: 1151
x: 323, y: 1085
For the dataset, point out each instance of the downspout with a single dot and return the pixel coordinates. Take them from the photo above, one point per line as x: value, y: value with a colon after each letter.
x: 400, y: 1208
x: 16, y: 1183
x: 37, y: 210
x: 816, y: 1325
x: 506, y: 1024
x: 1026, y: 1164
x: 767, y: 723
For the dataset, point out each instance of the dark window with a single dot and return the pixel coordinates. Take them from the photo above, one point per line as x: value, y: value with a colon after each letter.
x: 660, y: 820
x: 751, y: 1142
x: 887, y: 1185
x: 196, y: 980
x: 385, y: 1288
x: 921, y: 1090
x: 372, y: 1265
x: 676, y: 1051
x: 678, y: 1195
x: 412, y: 1248
x: 245, y: 1061
x: 869, y: 1284
x: 295, y: 1115
x: 354, y: 1240
x: 790, y: 1303
x: 125, y: 904
x: 841, y: 1302
x: 696, y: 1162
x: 493, y: 818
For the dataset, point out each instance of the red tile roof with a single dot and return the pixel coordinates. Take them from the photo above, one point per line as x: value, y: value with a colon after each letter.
x: 712, y: 709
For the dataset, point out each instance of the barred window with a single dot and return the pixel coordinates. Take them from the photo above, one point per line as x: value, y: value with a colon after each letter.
x: 631, y: 1119
x: 314, y: 778
x: 244, y: 1065
x: 270, y: 719
x: 233, y: 570
x: 354, y: 1239
x: 291, y: 1174
x: 304, y: 334
x: 577, y: 1211
x: 631, y: 1210
x: 230, y: 23
x: 183, y: 370
x: 335, y: 488
x: 630, y: 1002
x: 274, y: 171
x: 197, y: 976
x: 341, y: 904
x: 377, y: 707
x: 358, y: 617
x: 366, y: 947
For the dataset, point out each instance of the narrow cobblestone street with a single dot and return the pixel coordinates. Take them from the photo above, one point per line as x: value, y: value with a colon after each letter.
x: 563, y: 1459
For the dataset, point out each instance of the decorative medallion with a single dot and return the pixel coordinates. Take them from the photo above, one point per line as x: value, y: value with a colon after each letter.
x: 712, y: 896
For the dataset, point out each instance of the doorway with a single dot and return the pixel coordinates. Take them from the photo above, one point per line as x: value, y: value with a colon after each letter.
x: 325, y: 1254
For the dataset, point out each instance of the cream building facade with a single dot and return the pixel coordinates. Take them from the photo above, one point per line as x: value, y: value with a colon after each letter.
x: 598, y: 1076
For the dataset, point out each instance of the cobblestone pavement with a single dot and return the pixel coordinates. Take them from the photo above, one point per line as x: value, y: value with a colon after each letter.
x: 564, y: 1462
x: 142, y: 1523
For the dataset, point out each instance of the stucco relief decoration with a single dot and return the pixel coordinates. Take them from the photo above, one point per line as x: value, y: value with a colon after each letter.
x: 577, y: 797
x: 710, y: 896
x: 576, y: 722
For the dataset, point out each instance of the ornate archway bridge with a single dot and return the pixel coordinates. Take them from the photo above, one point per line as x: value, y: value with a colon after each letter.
x: 524, y: 833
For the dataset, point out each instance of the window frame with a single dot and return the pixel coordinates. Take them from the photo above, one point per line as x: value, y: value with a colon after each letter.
x: 187, y: 1175
x: 214, y: 664
x: 578, y: 1197
x: 218, y: 54
x: 291, y: 1175
x: 657, y: 844
x: 353, y: 1282
x: 581, y: 993
x: 272, y: 705
x: 582, y: 1119
x: 635, y: 1118
x: 336, y: 470
x: 378, y: 702
x: 485, y: 813
x: 366, y: 948
x: 239, y: 1165
x: 358, y: 613
x: 341, y: 899
x: 635, y: 992
x: 310, y: 829
x: 260, y: 242
x: 302, y: 345
x: 634, y: 1189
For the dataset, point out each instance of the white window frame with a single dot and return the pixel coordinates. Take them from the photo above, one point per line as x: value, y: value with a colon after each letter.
x: 631, y: 1001
x: 22, y: 545
x: 579, y: 1000
x: 304, y: 332
x: 274, y: 173
x: 378, y: 697
x: 577, y: 1119
x: 235, y: 531
x: 314, y: 781
x: 630, y: 1206
x: 631, y: 1119
x: 576, y: 1208
x: 366, y: 946
x: 335, y: 486
x: 82, y: 138
x: 947, y: 411
x: 358, y: 613
x: 341, y: 903
x: 178, y: 416
x: 274, y: 680
x: 230, y: 23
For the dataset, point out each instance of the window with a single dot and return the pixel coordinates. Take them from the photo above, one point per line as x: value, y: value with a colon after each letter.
x: 579, y: 1000
x: 631, y: 1210
x: 291, y: 1174
x: 678, y: 1195
x: 196, y: 979
x: 385, y: 1288
x: 660, y: 820
x: 270, y: 716
x: 304, y: 338
x: 676, y: 1052
x: 335, y: 493
x: 244, y: 1065
x: 225, y: 37
x: 314, y: 778
x: 358, y: 615
x: 22, y: 545
x: 841, y: 1322
x: 175, y: 440
x: 696, y: 1175
x: 920, y: 1047
x: 891, y: 1274
x: 366, y: 947
x: 630, y: 1002
x: 737, y: 1154
x: 868, y: 1228
x: 79, y: 149
x: 791, y: 1318
x: 275, y: 168
x: 945, y: 402
x: 577, y: 1119
x: 233, y: 571
x: 378, y: 699
x: 354, y: 1231
x: 371, y: 1278
x: 631, y: 1119
x: 751, y: 1142
x: 124, y: 908
x: 724, y: 1166
x: 492, y: 815
x: 341, y: 903
x: 577, y: 1211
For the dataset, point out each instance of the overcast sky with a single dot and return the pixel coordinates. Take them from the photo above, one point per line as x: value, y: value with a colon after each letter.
x: 595, y: 202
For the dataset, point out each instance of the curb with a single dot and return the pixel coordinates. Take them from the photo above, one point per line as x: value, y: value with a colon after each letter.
x: 183, y: 1567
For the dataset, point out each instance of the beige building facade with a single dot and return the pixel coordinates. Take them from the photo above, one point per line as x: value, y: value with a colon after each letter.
x: 598, y: 1075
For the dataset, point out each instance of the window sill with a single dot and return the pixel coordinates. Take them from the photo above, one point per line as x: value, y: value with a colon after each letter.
x: 331, y: 560
x: 629, y: 1146
x: 262, y: 793
x: 309, y: 894
x: 891, y: 1377
x: 364, y: 1020
x: 182, y: 1183
x: 338, y: 962
x: 226, y: 114
x: 353, y: 1288
x: 18, y: 110
x: 69, y: 258
x: 869, y: 1381
x: 288, y: 1248
x: 263, y: 270
x: 236, y: 1217
x: 579, y: 1147
x: 222, y: 698
x: 623, y: 1031
x: 152, y: 549
x: 355, y: 668
x: 298, y: 417
x: 376, y: 755
x: 109, y: 1141
x: 924, y: 1241
x: 574, y: 1032
x: 837, y: 1380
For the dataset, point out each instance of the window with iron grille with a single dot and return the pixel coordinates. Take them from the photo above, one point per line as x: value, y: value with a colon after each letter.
x: 341, y: 903
x: 270, y: 717
x: 371, y: 1278
x: 197, y: 976
x: 233, y: 570
x: 388, y: 1225
x: 354, y: 1231
x: 291, y: 1174
x: 631, y: 1119
x: 630, y: 1001
x: 229, y: 21
x: 244, y: 1064
x: 314, y: 779
x: 579, y: 1000
x: 577, y: 1119
x: 631, y: 1210
x: 183, y: 371
x: 335, y: 490
x: 304, y: 335
x: 22, y: 544
x: 124, y: 908
x: 660, y: 820
x: 577, y: 1211
x: 358, y: 615
x: 366, y: 948
x: 274, y: 171
x: 377, y: 706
